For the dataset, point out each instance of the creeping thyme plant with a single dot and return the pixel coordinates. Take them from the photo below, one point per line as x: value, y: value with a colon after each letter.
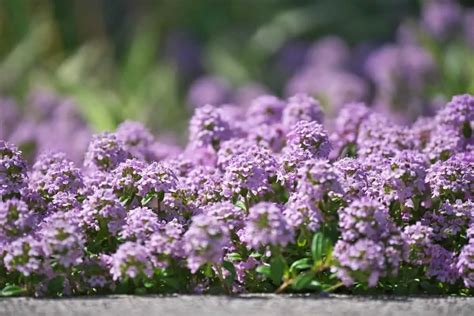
x: 271, y: 200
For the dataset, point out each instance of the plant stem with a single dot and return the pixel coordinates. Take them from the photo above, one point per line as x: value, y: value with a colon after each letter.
x: 334, y: 287
x: 247, y: 204
x: 220, y: 275
x: 283, y: 286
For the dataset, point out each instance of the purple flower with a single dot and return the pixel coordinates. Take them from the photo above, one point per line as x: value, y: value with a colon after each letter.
x: 270, y: 136
x: 203, y: 185
x: 329, y: 52
x: 162, y: 150
x: 157, y: 178
x: 302, y: 212
x: 208, y: 90
x: 318, y: 180
x: 9, y: 118
x: 347, y: 124
x: 371, y: 246
x: 365, y: 218
x: 105, y: 152
x: 352, y: 177
x: 102, y: 210
x: 141, y: 222
x: 402, y: 179
x: 444, y: 143
x: 400, y: 73
x: 442, y: 264
x: 64, y: 202
x: 450, y: 220
x: 458, y: 114
x: 207, y: 128
x: 13, y: 174
x: 365, y: 257
x: 136, y: 139
x: 62, y: 240
x: 334, y: 87
x: 205, y: 241
x: 266, y: 109
x: 465, y: 264
x: 468, y: 26
x: 126, y: 176
x: 97, y: 274
x: 379, y: 136
x: 453, y: 178
x: 131, y: 260
x: 250, y: 173
x: 422, y: 131
x: 266, y: 225
x: 24, y: 255
x: 53, y: 173
x: 16, y: 218
x: 302, y: 107
x: 441, y: 17
x: 232, y: 148
x: 305, y: 141
x: 244, y: 95
x: 167, y: 242
x: 227, y: 213
x: 419, y: 238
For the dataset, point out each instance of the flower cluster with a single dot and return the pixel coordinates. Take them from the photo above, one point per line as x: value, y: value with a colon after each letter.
x: 290, y: 206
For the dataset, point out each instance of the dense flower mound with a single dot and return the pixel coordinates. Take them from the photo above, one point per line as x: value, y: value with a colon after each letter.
x: 258, y: 201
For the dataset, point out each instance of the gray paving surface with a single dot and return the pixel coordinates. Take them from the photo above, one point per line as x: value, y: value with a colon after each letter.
x: 244, y: 305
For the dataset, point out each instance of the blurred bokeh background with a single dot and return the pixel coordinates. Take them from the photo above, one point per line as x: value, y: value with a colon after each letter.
x: 72, y: 67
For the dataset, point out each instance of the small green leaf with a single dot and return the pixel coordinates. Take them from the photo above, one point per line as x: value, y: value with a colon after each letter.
x: 234, y: 256
x: 303, y: 280
x: 56, y: 285
x: 301, y: 264
x: 240, y: 204
x: 277, y: 268
x: 467, y: 130
x: 263, y: 270
x: 256, y: 255
x: 148, y: 284
x: 12, y: 290
x: 147, y: 198
x: 301, y: 241
x: 160, y: 196
x: 320, y: 246
x: 230, y: 267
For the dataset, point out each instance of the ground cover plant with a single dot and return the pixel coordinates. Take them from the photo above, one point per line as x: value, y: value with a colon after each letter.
x: 268, y: 198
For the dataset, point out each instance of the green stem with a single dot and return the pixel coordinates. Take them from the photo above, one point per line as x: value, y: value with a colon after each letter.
x: 283, y: 286
x: 220, y: 275
x: 247, y: 204
x: 334, y: 287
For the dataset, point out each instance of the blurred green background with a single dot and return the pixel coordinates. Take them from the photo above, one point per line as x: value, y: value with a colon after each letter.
x: 136, y: 59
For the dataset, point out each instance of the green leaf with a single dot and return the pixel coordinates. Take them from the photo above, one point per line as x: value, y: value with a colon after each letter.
x: 140, y: 291
x: 256, y: 255
x: 230, y: 267
x: 56, y: 285
x: 277, y: 268
x: 234, y: 256
x: 240, y: 204
x: 12, y: 290
x: 148, y: 284
x: 147, y: 198
x: 320, y: 247
x: 300, y: 264
x: 263, y: 270
x: 301, y: 241
x: 303, y: 280
x: 467, y: 130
